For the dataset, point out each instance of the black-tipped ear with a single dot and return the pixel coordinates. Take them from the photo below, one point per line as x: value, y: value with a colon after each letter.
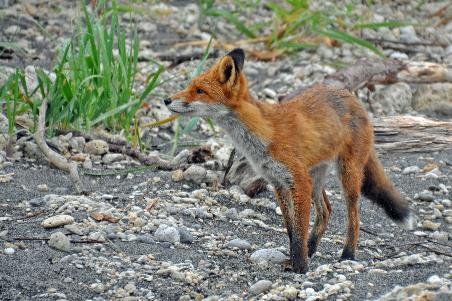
x: 238, y: 56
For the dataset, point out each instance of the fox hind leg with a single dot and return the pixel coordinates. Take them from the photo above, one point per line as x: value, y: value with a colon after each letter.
x: 351, y: 173
x: 322, y: 207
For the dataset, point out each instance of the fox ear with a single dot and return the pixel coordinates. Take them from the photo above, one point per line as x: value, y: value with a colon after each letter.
x: 231, y: 65
x: 238, y: 56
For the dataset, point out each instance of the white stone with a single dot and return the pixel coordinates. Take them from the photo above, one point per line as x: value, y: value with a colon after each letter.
x: 57, y: 220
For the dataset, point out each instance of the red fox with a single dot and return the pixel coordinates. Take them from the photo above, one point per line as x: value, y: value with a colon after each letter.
x: 292, y: 144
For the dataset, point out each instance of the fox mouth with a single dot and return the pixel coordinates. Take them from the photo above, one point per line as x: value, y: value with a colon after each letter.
x: 182, y: 112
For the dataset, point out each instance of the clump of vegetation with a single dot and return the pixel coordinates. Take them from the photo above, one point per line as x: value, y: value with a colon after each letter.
x: 295, y: 24
x: 94, y: 79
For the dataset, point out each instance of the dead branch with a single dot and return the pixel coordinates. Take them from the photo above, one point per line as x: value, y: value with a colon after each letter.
x: 386, y: 72
x: 53, y: 157
x: 151, y: 160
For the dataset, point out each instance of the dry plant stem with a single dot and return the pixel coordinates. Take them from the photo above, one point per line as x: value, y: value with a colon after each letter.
x: 53, y: 157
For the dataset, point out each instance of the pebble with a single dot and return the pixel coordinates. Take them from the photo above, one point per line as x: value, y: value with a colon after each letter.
x: 439, y: 235
x: 96, y: 147
x: 167, y: 233
x: 195, y: 173
x: 429, y: 225
x: 36, y: 202
x: 43, y: 188
x: 290, y: 293
x: 185, y: 236
x: 411, y: 170
x: 59, y: 241
x: 260, y: 287
x: 446, y: 203
x: 57, y: 220
x: 239, y: 244
x: 269, y: 93
x: 425, y: 196
x: 267, y: 255
x: 111, y: 158
x: 9, y: 251
x: 177, y: 175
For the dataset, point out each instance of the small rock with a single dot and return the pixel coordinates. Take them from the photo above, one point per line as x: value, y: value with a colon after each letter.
x: 96, y: 147
x: 185, y: 236
x: 232, y: 213
x: 111, y: 158
x: 167, y: 233
x: 446, y: 203
x: 43, y: 188
x: 239, y: 244
x: 98, y: 287
x: 57, y: 220
x: 425, y: 196
x: 36, y: 202
x: 195, y: 173
x: 59, y: 241
x: 290, y: 293
x: 9, y: 251
x: 268, y: 255
x: 177, y: 175
x: 439, y: 235
x: 269, y: 93
x: 429, y: 225
x: 435, y: 279
x: 260, y: 287
x: 411, y: 170
x: 408, y: 34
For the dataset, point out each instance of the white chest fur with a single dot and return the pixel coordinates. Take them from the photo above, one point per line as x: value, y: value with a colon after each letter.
x: 256, y: 151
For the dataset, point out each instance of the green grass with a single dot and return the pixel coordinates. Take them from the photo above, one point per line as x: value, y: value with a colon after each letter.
x: 295, y: 25
x: 94, y: 78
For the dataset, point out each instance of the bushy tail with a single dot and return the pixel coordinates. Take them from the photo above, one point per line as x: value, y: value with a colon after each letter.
x: 378, y: 188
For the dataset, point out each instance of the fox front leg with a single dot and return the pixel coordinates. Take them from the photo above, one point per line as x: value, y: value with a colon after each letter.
x: 301, y: 201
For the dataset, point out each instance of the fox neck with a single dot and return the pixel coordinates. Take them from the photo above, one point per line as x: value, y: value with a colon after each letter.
x: 249, y: 113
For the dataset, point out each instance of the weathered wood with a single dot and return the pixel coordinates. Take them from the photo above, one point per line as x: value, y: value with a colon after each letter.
x: 410, y: 134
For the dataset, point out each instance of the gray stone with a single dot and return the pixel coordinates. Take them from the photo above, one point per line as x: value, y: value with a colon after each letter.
x: 36, y: 202
x: 167, y: 233
x: 110, y: 158
x: 232, y: 213
x: 96, y: 147
x: 146, y: 238
x: 260, y: 287
x: 59, y: 241
x: 185, y: 235
x: 408, y: 34
x: 43, y: 188
x: 239, y: 244
x: 268, y: 255
x: 425, y: 196
x: 195, y: 173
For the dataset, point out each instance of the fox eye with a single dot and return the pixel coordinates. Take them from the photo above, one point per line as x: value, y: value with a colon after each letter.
x: 200, y: 91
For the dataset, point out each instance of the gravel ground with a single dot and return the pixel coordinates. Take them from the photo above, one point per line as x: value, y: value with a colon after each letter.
x: 123, y: 265
x: 145, y: 234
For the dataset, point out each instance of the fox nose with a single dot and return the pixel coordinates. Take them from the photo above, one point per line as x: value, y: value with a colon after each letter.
x: 167, y: 101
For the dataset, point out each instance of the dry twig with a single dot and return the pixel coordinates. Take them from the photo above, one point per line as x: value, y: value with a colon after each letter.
x: 53, y: 157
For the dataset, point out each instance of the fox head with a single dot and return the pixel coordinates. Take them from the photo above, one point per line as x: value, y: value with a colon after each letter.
x: 216, y: 92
